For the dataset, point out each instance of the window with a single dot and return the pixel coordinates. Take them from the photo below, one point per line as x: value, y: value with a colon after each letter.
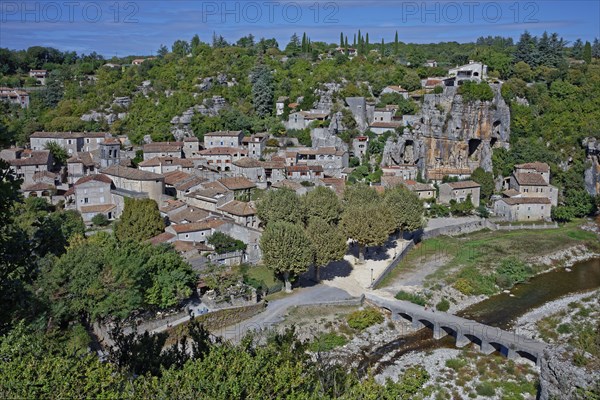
x: 187, y: 235
x: 85, y: 200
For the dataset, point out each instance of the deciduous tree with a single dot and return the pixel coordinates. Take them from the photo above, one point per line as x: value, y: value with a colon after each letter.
x: 140, y: 221
x: 286, y: 249
x: 328, y: 241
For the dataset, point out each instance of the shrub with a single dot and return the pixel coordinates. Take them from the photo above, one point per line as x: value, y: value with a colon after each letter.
x: 327, y: 342
x: 456, y: 363
x: 512, y: 271
x: 363, y: 319
x: 443, y: 305
x: 100, y: 220
x: 485, y: 389
x: 413, y: 298
x: 564, y: 328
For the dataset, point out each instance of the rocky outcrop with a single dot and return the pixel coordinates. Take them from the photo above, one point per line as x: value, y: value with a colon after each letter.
x: 560, y: 379
x: 182, y: 124
x: 451, y: 136
x: 592, y: 173
x: 326, y: 94
x: 323, y: 137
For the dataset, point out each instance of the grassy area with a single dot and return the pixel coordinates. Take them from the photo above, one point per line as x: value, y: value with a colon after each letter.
x: 481, y: 252
x: 261, y: 277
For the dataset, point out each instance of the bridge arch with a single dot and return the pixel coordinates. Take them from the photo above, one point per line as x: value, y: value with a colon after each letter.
x: 427, y: 323
x: 501, y: 348
x: 528, y: 355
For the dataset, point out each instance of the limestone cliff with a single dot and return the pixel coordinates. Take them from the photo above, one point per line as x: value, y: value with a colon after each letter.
x: 560, y: 379
x: 450, y: 136
x: 592, y: 173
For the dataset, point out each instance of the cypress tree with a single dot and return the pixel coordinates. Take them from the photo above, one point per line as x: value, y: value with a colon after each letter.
x: 587, y: 52
x: 396, y: 44
x: 341, y: 39
x: 382, y: 48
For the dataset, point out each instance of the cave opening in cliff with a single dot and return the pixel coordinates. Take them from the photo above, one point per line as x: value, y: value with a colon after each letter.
x: 408, y: 155
x: 496, y: 127
x: 493, y: 142
x: 473, y: 146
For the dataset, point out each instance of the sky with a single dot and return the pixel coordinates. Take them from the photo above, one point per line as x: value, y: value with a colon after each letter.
x: 121, y: 28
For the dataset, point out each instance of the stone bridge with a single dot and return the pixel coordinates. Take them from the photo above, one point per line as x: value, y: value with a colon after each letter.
x: 488, y: 338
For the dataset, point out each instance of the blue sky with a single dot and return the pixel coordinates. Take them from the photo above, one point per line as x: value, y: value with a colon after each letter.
x: 140, y: 27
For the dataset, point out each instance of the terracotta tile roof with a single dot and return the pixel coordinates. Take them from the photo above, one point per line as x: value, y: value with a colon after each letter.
x: 315, y: 168
x: 530, y: 179
x: 131, y: 173
x: 313, y: 115
x: 217, y: 151
x: 273, y: 164
x: 538, y: 166
x: 190, y: 214
x: 98, y: 177
x: 44, y: 174
x: 173, y: 177
x: 419, y: 187
x: 237, y: 183
x: 194, y: 181
x: 70, y: 191
x: 164, y: 237
x: 223, y: 133
x: 392, y: 180
x: 191, y: 139
x: 248, y: 163
x: 337, y: 184
x: 297, y: 168
x: 171, y: 205
x: 239, y: 208
x: 198, y: 226
x: 100, y: 208
x: 84, y: 158
x: 68, y: 135
x: 157, y: 161
x: 463, y: 185
x: 39, y: 186
x: 209, y: 193
x: 160, y: 147
x: 525, y: 200
x: 510, y: 193
x: 385, y: 124
x: 32, y: 157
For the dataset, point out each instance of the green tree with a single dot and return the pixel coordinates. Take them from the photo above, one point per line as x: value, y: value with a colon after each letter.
x: 328, y: 241
x: 486, y: 180
x: 587, y: 53
x: 223, y: 243
x: 286, y: 250
x: 59, y: 153
x: 100, y: 220
x: 366, y: 223
x: 262, y: 90
x: 322, y: 203
x: 279, y: 205
x: 405, y: 209
x: 462, y: 208
x: 140, y: 221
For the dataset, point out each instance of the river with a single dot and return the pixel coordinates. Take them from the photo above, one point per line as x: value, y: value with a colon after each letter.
x: 500, y: 310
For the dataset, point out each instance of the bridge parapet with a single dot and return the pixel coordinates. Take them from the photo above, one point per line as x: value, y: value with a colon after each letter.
x: 489, y: 339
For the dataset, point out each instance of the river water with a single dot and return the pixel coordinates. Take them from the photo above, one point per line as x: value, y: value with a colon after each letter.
x: 499, y: 310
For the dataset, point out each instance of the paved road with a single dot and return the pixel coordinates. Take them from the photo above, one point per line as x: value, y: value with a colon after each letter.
x: 277, y: 309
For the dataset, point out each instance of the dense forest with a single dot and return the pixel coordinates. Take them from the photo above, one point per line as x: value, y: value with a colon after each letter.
x: 49, y: 297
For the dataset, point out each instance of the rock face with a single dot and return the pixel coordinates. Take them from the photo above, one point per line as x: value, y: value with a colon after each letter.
x: 182, y: 124
x: 560, y: 379
x: 592, y: 174
x: 323, y: 137
x: 450, y: 136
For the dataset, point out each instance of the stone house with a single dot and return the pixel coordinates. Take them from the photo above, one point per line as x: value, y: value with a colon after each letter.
x: 223, y: 139
x: 40, y: 75
x: 137, y: 181
x: 459, y: 191
x: 379, y: 128
x: 360, y: 144
x: 14, y: 96
x: 534, y: 168
x: 395, y: 89
x: 304, y: 172
x: 291, y: 185
x: 425, y: 191
x: 72, y: 142
x: 179, y: 183
x: 533, y: 185
x: 191, y: 147
x: 329, y: 158
x: 473, y: 71
x: 209, y: 199
x: 197, y: 232
x: 255, y: 144
x: 241, y: 187
x: 26, y: 163
x: 80, y: 165
x: 523, y: 208
x: 221, y: 158
x: 406, y: 171
x: 302, y: 119
x: 164, y: 165
x: 383, y: 115
x: 163, y: 149
x: 93, y: 195
x: 241, y: 212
